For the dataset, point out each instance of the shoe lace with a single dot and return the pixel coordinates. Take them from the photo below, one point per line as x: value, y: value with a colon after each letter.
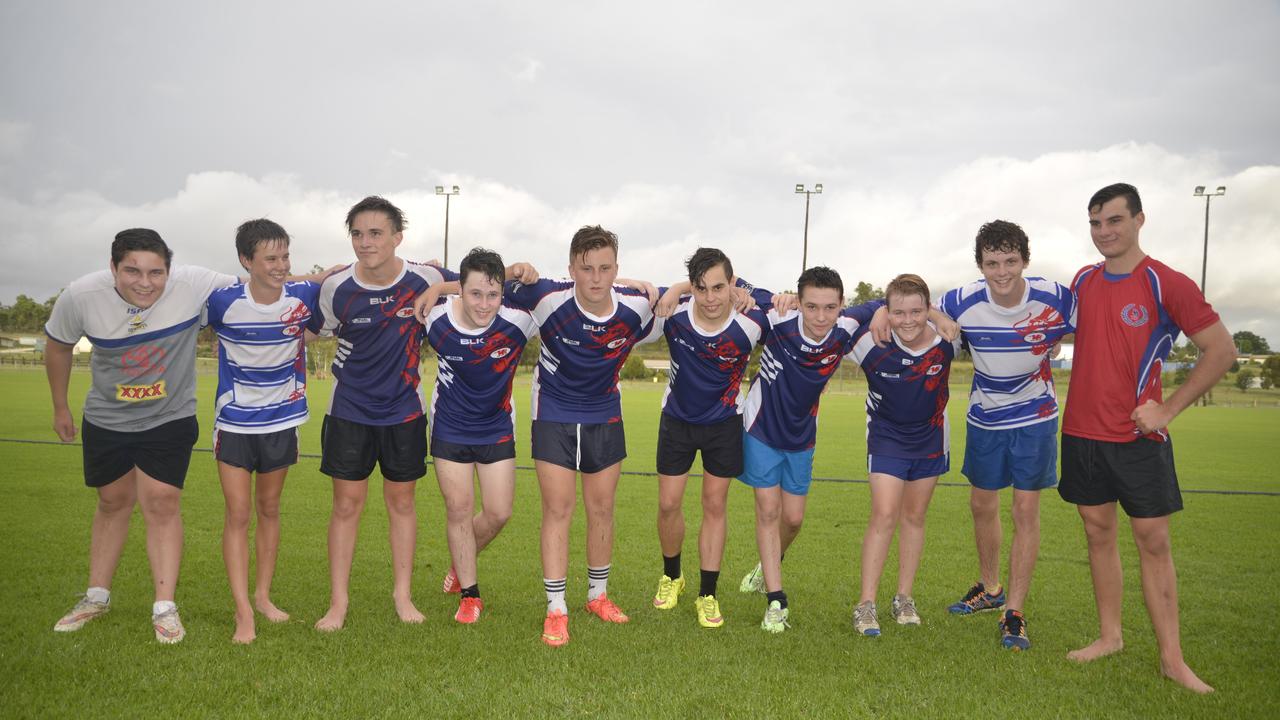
x: 709, y: 606
x: 864, y: 613
x: 666, y: 587
x: 907, y: 606
x: 774, y: 616
x: 1015, y: 625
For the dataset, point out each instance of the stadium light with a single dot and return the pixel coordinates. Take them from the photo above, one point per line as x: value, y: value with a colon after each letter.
x: 440, y: 190
x: 1204, y: 263
x: 800, y: 190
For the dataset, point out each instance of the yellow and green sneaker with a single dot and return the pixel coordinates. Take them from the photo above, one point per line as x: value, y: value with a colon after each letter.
x: 668, y: 592
x: 708, y: 611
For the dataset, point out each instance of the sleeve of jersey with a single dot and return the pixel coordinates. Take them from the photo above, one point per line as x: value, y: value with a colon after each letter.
x: 860, y: 344
x: 655, y: 331
x: 65, y: 325
x: 322, y: 321
x: 763, y: 297
x: 309, y: 294
x: 521, y: 318
x: 949, y: 303
x: 527, y: 297
x: 206, y: 281
x: 864, y: 312
x: 1185, y: 303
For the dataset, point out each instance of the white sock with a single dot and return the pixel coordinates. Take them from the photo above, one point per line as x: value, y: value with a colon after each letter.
x: 160, y: 607
x: 98, y: 594
x: 597, y: 581
x: 555, y: 595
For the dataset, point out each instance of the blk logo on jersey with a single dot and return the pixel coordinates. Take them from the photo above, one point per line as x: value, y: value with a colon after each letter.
x: 1134, y: 315
x: 140, y: 393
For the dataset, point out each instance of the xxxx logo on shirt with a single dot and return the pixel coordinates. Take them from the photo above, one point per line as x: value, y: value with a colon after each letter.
x: 140, y: 393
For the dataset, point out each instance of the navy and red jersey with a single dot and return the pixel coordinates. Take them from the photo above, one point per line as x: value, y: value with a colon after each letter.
x: 704, y: 385
x: 1125, y: 327
x: 471, y: 404
x: 576, y: 380
x: 782, y: 405
x: 906, y: 396
x: 375, y: 367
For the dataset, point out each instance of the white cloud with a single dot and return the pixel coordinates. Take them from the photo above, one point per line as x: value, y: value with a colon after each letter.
x: 529, y: 71
x: 13, y: 138
x: 866, y: 233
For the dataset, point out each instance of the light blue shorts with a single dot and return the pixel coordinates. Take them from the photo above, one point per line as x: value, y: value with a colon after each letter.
x: 765, y: 467
x: 1025, y: 457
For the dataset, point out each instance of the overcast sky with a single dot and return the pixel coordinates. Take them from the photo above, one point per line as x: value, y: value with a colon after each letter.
x: 676, y: 125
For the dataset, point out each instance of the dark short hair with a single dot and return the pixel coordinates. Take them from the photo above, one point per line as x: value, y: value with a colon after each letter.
x: 380, y: 204
x: 819, y: 276
x: 252, y: 234
x: 1001, y: 236
x: 592, y: 237
x: 1111, y: 192
x: 482, y: 261
x: 702, y: 260
x: 907, y: 284
x: 139, y: 240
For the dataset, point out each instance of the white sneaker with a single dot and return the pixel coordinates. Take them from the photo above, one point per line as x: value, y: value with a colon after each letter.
x: 904, y: 610
x: 84, y: 611
x: 168, y: 627
x: 753, y: 581
x: 864, y: 619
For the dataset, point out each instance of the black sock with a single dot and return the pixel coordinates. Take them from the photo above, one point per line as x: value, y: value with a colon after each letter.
x: 473, y: 591
x: 709, y: 580
x: 671, y: 566
x: 778, y: 595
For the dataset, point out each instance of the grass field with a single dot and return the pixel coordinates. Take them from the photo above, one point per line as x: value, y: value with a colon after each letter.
x: 661, y: 664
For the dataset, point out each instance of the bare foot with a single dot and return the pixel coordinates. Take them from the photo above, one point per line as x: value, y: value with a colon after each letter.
x: 270, y: 611
x: 407, y: 612
x: 1096, y: 649
x: 245, y: 632
x: 1183, y: 675
x: 332, y: 620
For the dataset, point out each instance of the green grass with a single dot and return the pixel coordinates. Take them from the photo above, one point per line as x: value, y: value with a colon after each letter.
x: 661, y: 664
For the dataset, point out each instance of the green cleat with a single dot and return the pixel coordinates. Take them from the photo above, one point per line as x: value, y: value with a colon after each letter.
x: 753, y: 581
x: 708, y: 611
x: 668, y: 593
x: 775, y: 618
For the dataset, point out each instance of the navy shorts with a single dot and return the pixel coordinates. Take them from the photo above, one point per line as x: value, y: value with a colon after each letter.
x: 466, y: 454
x: 349, y: 450
x: 1024, y: 457
x: 909, y: 468
x: 587, y: 448
x: 1139, y: 475
x: 163, y: 452
x: 720, y: 444
x: 257, y: 452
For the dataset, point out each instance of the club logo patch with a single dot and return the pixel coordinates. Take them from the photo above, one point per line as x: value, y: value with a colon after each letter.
x: 404, y: 312
x: 1134, y: 315
x: 1035, y: 337
x: 291, y: 330
x: 614, y: 344
x: 500, y: 353
x: 140, y: 393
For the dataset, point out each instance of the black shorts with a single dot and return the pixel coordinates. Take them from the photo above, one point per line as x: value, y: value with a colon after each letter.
x: 720, y: 443
x: 163, y: 452
x: 349, y: 450
x: 587, y: 448
x: 257, y: 452
x: 479, y: 454
x: 1139, y: 474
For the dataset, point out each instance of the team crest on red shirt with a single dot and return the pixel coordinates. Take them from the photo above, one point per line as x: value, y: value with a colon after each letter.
x: 1134, y: 315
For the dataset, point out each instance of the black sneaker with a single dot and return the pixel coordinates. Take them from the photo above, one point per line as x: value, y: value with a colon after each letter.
x: 1013, y: 629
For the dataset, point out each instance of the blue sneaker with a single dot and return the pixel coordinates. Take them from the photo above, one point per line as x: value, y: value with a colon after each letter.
x: 977, y: 600
x: 1013, y: 631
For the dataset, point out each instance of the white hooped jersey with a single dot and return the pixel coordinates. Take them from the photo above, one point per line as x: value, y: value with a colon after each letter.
x: 471, y: 404
x: 1012, y: 381
x: 144, y: 359
x: 576, y: 380
x: 262, y: 357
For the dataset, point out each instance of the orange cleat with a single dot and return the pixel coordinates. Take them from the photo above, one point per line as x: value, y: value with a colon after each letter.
x: 555, y: 629
x: 451, y: 584
x: 605, y: 609
x: 469, y: 610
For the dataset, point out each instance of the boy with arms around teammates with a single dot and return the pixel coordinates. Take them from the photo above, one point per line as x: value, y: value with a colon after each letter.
x: 802, y: 351
x: 139, y: 417
x: 479, y: 339
x: 1115, y: 443
x: 588, y: 327
x: 908, y: 443
x: 261, y: 401
x: 710, y: 343
x: 376, y: 414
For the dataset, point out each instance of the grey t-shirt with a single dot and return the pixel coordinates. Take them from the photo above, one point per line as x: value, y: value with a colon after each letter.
x: 143, y: 362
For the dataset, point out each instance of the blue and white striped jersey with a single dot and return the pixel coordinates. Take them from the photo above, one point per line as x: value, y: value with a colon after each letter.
x: 262, y: 357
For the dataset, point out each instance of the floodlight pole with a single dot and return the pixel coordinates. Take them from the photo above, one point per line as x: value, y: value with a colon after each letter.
x: 1207, y: 398
x: 440, y: 190
x: 808, y: 194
